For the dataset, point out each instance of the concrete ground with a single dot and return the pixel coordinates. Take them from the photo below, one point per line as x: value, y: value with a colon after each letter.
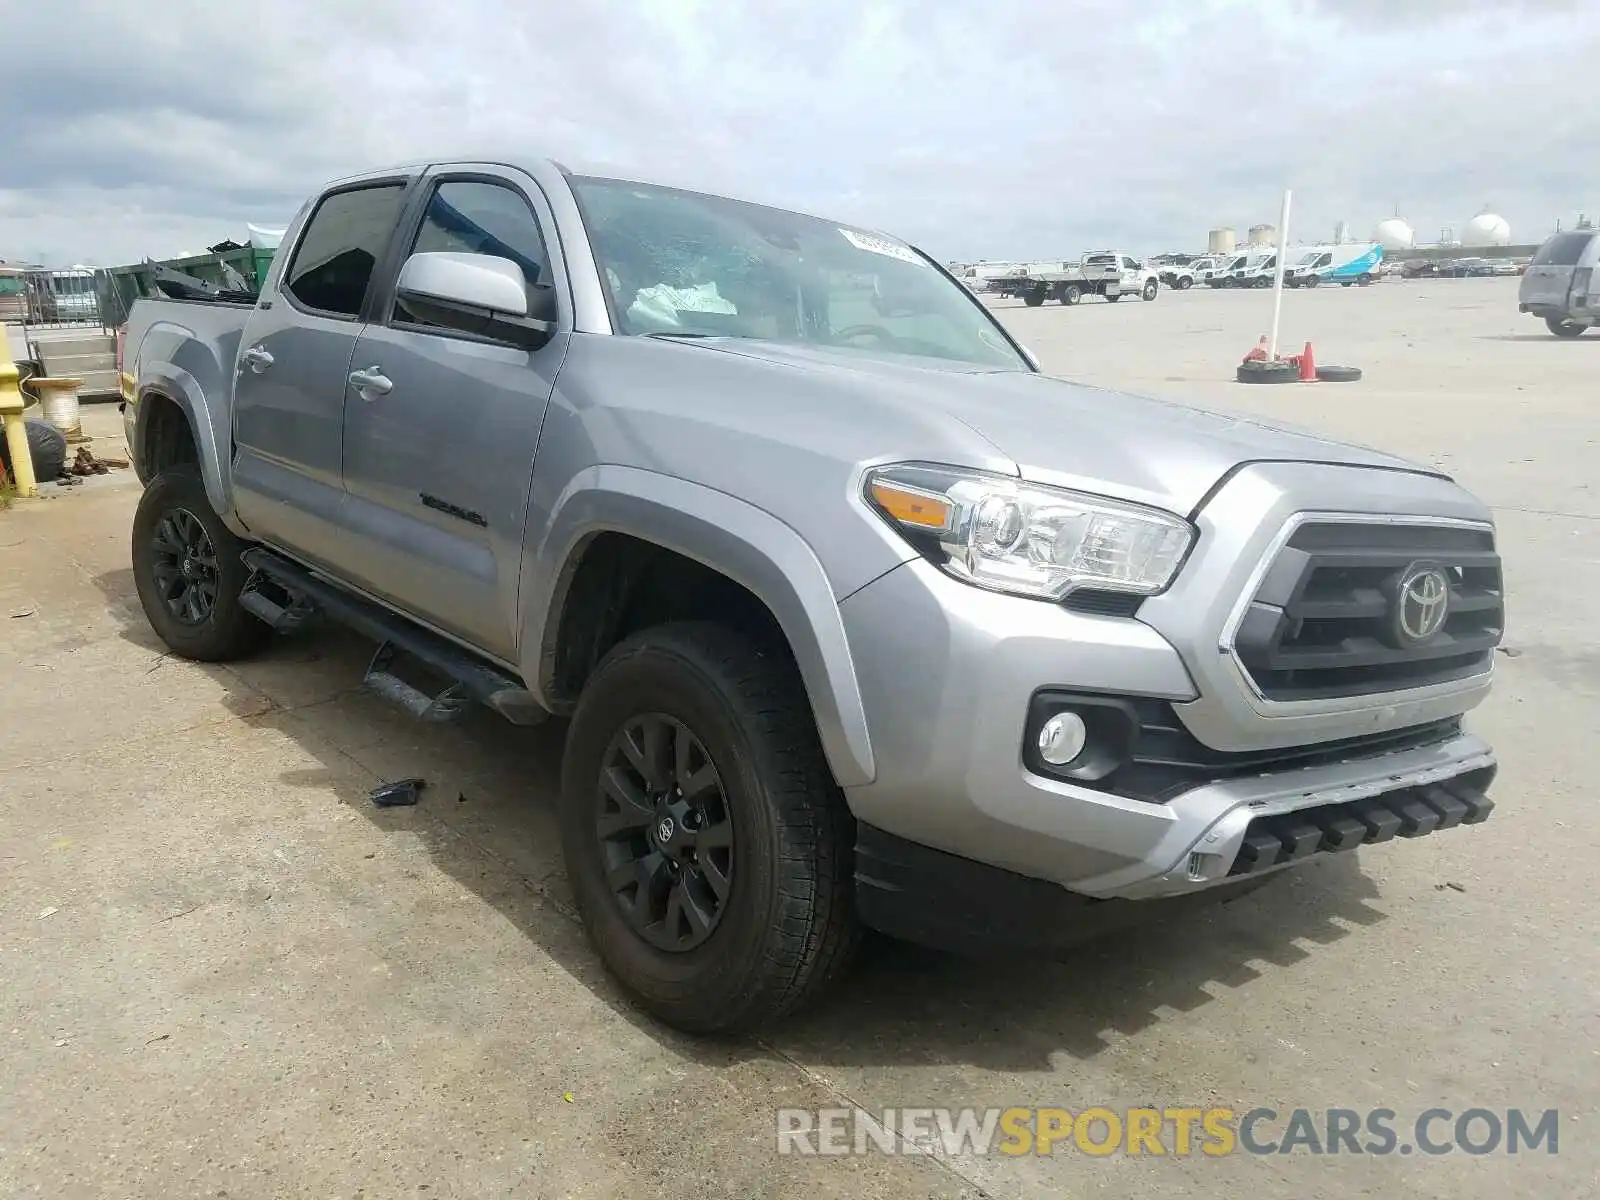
x: 224, y: 973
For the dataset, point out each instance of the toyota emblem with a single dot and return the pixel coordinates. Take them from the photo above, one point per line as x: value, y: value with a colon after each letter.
x: 665, y: 828
x: 1423, y: 603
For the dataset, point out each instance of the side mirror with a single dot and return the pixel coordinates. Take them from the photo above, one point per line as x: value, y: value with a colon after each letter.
x: 478, y: 294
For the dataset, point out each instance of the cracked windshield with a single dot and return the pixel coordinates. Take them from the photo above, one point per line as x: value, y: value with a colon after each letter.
x: 681, y: 263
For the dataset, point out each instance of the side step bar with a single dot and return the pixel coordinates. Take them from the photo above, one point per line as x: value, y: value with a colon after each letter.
x: 474, y: 679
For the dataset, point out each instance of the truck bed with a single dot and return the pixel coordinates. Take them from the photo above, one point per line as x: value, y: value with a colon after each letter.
x: 190, y: 347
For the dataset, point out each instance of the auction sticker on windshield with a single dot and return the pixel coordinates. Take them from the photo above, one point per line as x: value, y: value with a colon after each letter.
x: 878, y: 245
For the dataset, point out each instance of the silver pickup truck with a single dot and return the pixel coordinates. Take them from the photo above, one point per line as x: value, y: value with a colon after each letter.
x: 858, y: 618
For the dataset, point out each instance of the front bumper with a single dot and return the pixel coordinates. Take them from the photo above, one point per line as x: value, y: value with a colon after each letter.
x: 942, y: 900
x: 947, y: 674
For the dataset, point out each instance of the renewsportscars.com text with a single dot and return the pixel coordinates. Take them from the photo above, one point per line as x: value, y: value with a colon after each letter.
x: 1212, y: 1132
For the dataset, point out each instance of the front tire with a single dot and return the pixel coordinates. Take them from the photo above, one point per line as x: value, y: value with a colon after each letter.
x: 747, y: 928
x: 1151, y: 290
x: 188, y: 572
x: 1185, y: 283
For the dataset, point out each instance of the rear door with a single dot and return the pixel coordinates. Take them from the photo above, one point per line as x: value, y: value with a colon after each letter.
x: 438, y: 466
x: 1548, y: 280
x: 294, y: 355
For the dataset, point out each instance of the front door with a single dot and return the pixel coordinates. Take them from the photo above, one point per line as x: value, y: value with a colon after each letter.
x: 290, y: 384
x: 438, y: 462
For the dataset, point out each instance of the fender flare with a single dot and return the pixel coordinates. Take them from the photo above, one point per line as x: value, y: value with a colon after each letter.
x: 747, y: 544
x: 174, y: 384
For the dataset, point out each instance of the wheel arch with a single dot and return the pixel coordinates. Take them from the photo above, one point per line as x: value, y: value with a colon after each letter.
x: 732, y: 540
x: 165, y: 393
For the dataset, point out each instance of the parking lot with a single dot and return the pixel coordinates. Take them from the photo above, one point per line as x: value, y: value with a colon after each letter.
x: 224, y: 972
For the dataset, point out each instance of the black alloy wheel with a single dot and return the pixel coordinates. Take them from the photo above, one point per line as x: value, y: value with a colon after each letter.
x: 665, y: 831
x: 185, y: 567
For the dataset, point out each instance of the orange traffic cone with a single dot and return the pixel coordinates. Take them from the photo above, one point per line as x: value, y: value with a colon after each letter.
x: 1308, y: 366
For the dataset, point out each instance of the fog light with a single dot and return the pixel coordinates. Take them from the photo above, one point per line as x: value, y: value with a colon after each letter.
x: 1061, y: 738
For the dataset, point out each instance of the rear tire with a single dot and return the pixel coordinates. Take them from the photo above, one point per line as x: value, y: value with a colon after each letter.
x: 1033, y: 298
x: 1563, y: 328
x: 1072, y: 295
x: 783, y: 925
x: 1365, y: 280
x: 187, y: 570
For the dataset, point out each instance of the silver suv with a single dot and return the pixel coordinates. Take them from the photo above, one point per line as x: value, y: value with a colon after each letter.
x: 859, y: 619
x: 1560, y: 284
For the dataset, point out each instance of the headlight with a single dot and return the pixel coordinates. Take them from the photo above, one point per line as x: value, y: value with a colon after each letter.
x: 1010, y: 536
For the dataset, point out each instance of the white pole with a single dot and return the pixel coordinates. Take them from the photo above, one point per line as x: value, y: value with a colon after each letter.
x: 1277, y: 275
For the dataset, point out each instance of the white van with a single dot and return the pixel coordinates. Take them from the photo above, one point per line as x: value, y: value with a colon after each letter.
x: 1303, y: 260
x: 1346, y: 264
x: 1200, y: 270
x: 1253, y: 269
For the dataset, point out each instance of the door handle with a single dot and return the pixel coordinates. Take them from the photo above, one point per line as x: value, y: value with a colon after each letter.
x: 257, y: 358
x: 372, y: 383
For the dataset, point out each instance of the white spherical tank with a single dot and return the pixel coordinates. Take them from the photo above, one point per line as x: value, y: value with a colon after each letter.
x: 1395, y: 234
x: 1487, y: 229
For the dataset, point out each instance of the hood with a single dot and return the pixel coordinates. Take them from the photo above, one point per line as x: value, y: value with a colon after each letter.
x: 1057, y: 432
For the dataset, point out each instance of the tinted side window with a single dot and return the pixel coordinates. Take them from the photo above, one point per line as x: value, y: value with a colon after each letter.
x: 341, y: 246
x: 1563, y: 250
x: 469, y: 217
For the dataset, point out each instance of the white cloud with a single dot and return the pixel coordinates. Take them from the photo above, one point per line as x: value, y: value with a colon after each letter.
x: 1032, y: 128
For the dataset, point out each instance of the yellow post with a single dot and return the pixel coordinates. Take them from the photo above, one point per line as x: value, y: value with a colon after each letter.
x: 11, y: 406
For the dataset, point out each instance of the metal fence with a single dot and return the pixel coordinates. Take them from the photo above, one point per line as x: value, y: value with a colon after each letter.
x: 50, y: 299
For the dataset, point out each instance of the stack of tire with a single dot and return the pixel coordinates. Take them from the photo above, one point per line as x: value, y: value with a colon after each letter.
x: 1265, y: 370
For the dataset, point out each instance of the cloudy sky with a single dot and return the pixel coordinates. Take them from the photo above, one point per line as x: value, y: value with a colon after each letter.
x: 1008, y: 129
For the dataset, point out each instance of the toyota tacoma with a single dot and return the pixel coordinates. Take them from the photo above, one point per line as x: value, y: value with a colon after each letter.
x: 857, y: 618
